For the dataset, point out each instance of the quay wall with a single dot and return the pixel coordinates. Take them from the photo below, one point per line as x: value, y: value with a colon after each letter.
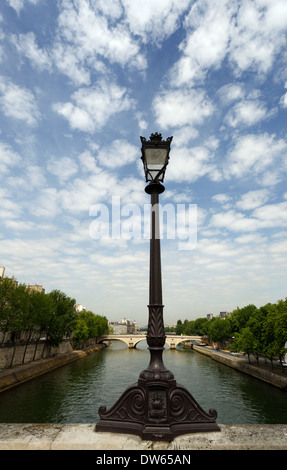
x: 15, y: 354
x: 16, y: 375
x: 261, y: 373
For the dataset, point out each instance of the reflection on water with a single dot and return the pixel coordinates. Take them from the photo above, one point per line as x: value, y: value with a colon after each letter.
x: 74, y: 393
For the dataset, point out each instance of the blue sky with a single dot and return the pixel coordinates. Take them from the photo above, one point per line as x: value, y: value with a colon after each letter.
x: 80, y: 82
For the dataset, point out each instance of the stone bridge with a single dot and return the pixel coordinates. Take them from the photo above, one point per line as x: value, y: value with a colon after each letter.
x: 132, y: 340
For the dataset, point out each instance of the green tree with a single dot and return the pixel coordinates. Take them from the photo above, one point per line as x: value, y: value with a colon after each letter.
x: 41, y: 307
x: 256, y: 324
x: 240, y: 316
x: 89, y: 325
x: 81, y: 331
x: 275, y: 331
x: 103, y: 325
x: 179, y: 327
x: 243, y: 342
x: 63, y: 319
x: 200, y: 326
x: 7, y: 287
x: 219, y: 330
x: 280, y: 328
x: 18, y: 313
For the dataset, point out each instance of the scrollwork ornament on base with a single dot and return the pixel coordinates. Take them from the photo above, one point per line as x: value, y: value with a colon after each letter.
x: 158, y: 410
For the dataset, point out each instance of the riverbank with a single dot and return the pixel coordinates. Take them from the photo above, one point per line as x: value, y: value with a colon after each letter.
x: 265, y: 373
x: 19, y: 374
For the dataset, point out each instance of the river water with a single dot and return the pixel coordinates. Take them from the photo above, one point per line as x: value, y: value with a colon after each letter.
x: 74, y: 393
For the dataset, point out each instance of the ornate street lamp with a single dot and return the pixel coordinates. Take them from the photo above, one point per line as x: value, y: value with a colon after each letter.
x: 155, y: 157
x: 156, y: 407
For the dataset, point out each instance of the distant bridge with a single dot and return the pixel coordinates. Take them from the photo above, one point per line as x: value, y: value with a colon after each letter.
x: 132, y: 340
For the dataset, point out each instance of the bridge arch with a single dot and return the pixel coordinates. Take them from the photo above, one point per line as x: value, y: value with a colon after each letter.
x: 132, y: 340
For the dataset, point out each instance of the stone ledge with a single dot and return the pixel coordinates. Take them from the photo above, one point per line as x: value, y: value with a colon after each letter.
x: 84, y: 437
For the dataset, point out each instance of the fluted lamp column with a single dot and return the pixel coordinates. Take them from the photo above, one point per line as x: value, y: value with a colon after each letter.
x: 156, y: 407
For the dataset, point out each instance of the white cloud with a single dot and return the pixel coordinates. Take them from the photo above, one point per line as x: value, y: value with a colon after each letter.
x: 154, y: 20
x: 69, y: 64
x: 253, y: 199
x: 266, y: 216
x: 224, y: 199
x: 86, y: 37
x: 246, y: 108
x: 234, y: 221
x: 231, y: 92
x: 189, y: 164
x: 221, y: 198
x: 117, y: 154
x: 35, y: 176
x: 19, y: 4
x: 91, y: 34
x: 46, y: 204
x: 203, y: 47
x: 26, y: 45
x: 110, y: 8
x: 182, y: 107
x: 249, y: 34
x: 250, y: 238
x: 63, y: 168
x: 30, y: 177
x: 256, y: 154
x: 246, y: 112
x: 93, y: 106
x: 88, y: 162
x: 184, y: 134
x: 8, y: 158
x: 272, y: 215
x: 283, y: 101
x: 9, y: 209
x: 82, y: 192
x: 258, y: 34
x: 18, y: 103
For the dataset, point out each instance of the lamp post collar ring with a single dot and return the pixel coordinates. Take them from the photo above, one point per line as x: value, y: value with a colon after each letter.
x: 154, y: 187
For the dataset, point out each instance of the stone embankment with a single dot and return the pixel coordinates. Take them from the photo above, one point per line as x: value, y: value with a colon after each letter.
x: 267, y: 374
x: 16, y: 375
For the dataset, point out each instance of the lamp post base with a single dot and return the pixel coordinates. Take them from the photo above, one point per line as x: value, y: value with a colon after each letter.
x: 156, y: 410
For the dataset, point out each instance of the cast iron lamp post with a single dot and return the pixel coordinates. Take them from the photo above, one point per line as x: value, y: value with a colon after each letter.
x: 156, y: 407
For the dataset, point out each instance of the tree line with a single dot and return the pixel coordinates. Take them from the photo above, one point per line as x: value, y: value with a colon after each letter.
x: 261, y: 332
x: 52, y: 315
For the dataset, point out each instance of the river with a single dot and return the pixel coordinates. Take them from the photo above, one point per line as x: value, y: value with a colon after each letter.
x: 74, y: 392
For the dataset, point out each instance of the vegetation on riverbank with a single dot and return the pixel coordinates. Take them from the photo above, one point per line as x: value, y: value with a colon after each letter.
x: 89, y: 325
x: 261, y: 332
x: 33, y: 315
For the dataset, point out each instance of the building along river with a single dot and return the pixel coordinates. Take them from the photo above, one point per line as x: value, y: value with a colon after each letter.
x: 73, y: 393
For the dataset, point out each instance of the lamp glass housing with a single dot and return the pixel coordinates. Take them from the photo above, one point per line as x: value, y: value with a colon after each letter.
x: 156, y: 160
x: 155, y: 157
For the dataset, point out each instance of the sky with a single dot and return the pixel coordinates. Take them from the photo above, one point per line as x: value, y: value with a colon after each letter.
x: 80, y: 82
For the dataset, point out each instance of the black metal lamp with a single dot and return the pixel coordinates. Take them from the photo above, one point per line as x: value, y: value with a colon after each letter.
x: 155, y: 156
x: 156, y: 407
